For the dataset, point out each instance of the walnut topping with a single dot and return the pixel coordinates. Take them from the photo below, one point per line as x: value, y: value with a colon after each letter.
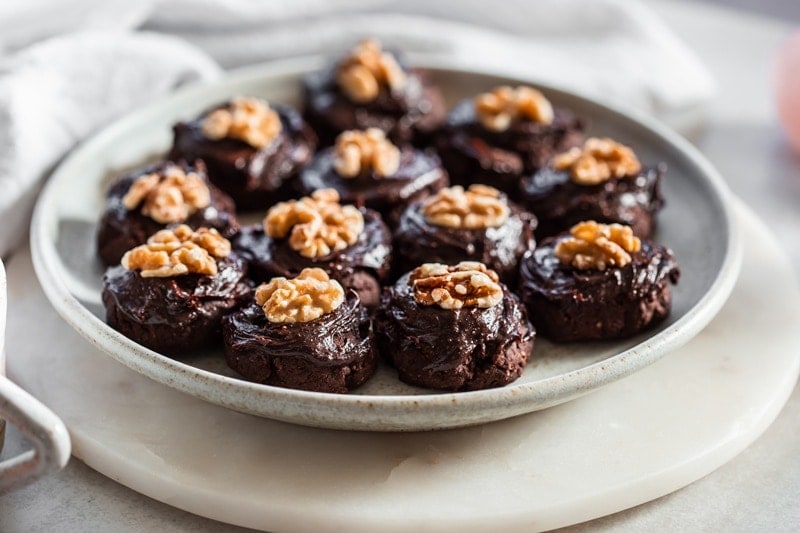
x: 178, y: 251
x: 366, y: 70
x: 467, y: 284
x: 598, y: 161
x: 358, y: 152
x: 497, y: 109
x: 169, y: 196
x: 597, y: 246
x: 316, y: 225
x: 478, y: 207
x: 302, y: 299
x: 248, y: 119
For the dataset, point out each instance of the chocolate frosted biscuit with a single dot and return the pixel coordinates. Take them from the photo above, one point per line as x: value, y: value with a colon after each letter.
x: 325, y: 345
x: 253, y: 150
x: 500, y: 136
x: 454, y: 328
x: 597, y: 282
x: 147, y: 200
x: 603, y: 181
x: 478, y: 224
x: 367, y: 170
x: 171, y: 293
x: 352, y: 245
x: 372, y: 88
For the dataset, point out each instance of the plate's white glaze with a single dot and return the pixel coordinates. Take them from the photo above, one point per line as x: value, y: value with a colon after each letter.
x: 697, y: 224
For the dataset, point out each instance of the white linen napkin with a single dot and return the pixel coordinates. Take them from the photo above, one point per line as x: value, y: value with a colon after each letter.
x: 55, y: 93
x: 61, y: 78
x: 611, y: 49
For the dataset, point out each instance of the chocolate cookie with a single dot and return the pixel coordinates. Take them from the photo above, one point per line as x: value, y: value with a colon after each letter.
x: 358, y: 256
x: 253, y: 150
x: 478, y: 224
x: 454, y: 328
x: 503, y: 135
x: 171, y: 293
x: 372, y: 88
x: 368, y: 171
x: 143, y: 202
x: 597, y: 282
x: 325, y: 346
x: 604, y: 182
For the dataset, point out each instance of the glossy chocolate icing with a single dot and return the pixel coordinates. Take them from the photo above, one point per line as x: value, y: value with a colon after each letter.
x: 120, y: 229
x: 566, y: 304
x: 559, y: 203
x: 467, y: 349
x: 254, y: 178
x: 419, y: 175
x: 407, y: 115
x: 333, y: 353
x: 362, y: 266
x: 473, y: 154
x: 174, y: 315
x: 498, y: 248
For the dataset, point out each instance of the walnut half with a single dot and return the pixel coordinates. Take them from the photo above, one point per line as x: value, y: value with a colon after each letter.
x: 467, y: 284
x: 598, y: 161
x: 358, y: 152
x: 169, y: 196
x: 317, y: 225
x: 178, y: 251
x: 302, y: 299
x: 366, y: 70
x: 497, y: 109
x: 594, y: 246
x: 247, y: 119
x: 478, y: 207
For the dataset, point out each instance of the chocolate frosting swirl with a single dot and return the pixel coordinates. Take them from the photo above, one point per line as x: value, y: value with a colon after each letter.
x: 473, y: 154
x: 255, y: 178
x: 568, y: 304
x: 559, y: 202
x: 370, y: 256
x: 466, y: 349
x: 333, y: 353
x: 499, y: 248
x: 419, y: 175
x: 407, y: 115
x: 174, y: 314
x: 121, y: 229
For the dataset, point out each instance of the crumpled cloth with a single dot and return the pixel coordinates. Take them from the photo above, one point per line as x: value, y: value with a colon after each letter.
x: 68, y: 68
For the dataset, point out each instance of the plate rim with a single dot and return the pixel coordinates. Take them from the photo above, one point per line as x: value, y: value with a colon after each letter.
x: 511, y: 400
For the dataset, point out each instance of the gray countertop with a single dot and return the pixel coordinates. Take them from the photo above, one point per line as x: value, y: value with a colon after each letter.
x: 757, y: 491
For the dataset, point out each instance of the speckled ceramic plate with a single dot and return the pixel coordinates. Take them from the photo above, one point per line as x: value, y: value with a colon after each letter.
x: 697, y: 224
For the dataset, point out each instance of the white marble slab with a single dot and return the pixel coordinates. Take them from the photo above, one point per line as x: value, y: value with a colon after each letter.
x: 633, y: 441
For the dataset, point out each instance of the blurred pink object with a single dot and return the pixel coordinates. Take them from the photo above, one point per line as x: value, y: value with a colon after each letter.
x: 787, y: 87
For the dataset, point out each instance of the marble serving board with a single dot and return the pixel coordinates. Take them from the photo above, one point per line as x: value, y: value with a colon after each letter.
x: 630, y: 442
